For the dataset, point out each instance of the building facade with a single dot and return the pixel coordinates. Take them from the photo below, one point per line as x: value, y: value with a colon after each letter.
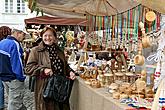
x: 13, y: 13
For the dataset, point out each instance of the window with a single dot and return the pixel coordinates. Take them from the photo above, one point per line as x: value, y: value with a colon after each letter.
x: 20, y: 6
x: 14, y: 6
x: 9, y: 6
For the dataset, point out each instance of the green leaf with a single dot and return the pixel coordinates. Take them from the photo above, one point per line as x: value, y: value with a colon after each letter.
x: 42, y: 12
x: 37, y: 10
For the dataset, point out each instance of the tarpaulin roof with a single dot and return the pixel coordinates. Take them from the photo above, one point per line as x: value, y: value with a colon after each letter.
x: 157, y: 5
x: 50, y: 20
x: 78, y: 8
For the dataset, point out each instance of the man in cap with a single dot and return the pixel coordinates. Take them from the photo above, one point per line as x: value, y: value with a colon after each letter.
x: 11, y: 68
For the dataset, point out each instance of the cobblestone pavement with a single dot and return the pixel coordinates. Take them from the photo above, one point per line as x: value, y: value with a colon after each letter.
x: 28, y: 98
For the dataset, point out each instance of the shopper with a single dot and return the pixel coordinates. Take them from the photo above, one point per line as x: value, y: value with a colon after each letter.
x: 44, y: 60
x: 4, y: 31
x: 11, y: 70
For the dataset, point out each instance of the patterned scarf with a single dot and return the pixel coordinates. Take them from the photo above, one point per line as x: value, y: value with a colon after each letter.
x: 56, y: 63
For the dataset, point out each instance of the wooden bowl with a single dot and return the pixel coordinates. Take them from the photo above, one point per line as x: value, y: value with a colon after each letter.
x: 146, y: 42
x: 150, y: 16
x: 139, y: 60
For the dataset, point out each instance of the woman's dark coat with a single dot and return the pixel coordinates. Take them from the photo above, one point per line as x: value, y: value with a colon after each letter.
x: 37, y: 61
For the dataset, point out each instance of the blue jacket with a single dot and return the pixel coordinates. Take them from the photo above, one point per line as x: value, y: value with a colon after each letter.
x: 11, y: 66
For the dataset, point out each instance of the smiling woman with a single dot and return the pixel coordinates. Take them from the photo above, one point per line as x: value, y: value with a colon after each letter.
x: 46, y: 60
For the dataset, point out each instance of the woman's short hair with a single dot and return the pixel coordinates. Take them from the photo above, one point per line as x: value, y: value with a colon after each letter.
x: 48, y: 28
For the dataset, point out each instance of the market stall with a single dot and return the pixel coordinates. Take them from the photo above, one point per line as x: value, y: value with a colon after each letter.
x: 118, y: 72
x: 114, y: 67
x: 61, y: 24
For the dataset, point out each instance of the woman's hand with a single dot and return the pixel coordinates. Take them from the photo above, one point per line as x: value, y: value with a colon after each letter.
x: 72, y: 75
x: 48, y: 71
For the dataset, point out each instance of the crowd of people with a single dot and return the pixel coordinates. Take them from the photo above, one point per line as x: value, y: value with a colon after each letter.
x: 44, y: 60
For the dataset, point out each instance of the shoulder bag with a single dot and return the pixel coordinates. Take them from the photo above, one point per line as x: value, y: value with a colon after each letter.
x: 58, y: 88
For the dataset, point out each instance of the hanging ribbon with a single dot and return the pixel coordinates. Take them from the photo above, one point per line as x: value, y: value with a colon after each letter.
x: 113, y: 30
x: 87, y: 25
x: 94, y: 23
x: 140, y: 9
x: 158, y: 20
x: 110, y: 30
x: 136, y: 22
x: 103, y: 25
x: 134, y: 25
x: 125, y: 32
x: 100, y: 20
x: 107, y: 30
x: 97, y: 23
x: 116, y: 31
x: 121, y: 29
x: 143, y: 14
x: 128, y: 25
x: 90, y: 22
x: 131, y: 25
x: 154, y: 24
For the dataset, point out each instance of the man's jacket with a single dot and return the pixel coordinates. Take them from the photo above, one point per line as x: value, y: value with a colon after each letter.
x: 11, y: 54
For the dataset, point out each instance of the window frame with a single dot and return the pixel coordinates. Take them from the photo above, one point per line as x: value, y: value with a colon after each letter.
x: 14, y: 6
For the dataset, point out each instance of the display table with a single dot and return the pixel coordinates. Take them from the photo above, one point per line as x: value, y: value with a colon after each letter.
x: 84, y: 97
